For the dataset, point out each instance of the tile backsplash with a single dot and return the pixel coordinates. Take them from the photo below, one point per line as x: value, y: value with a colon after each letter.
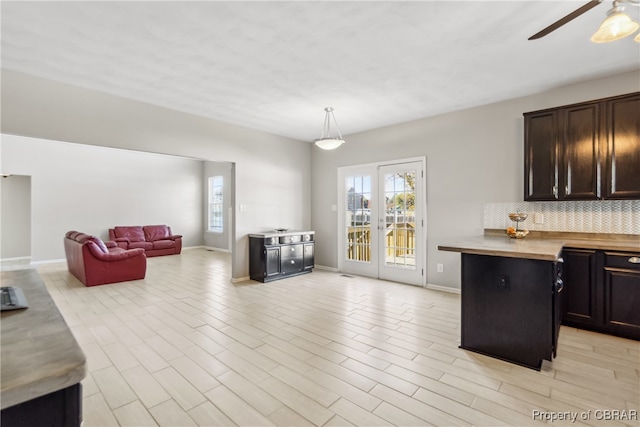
x: 597, y: 216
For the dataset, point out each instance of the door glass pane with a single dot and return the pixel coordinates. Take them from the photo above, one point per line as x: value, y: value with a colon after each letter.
x: 399, y: 233
x: 358, y: 218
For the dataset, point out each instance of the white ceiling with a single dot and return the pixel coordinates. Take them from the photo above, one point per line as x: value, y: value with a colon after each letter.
x: 274, y: 66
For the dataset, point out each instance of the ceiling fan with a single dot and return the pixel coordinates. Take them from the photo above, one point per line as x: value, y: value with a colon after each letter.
x: 616, y: 26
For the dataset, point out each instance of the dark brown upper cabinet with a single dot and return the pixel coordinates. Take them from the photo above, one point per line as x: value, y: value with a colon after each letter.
x: 585, y: 151
x: 622, y: 168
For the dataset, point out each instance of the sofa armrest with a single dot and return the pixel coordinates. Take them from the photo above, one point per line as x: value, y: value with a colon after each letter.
x: 110, y: 244
x: 175, y: 237
x: 114, y: 256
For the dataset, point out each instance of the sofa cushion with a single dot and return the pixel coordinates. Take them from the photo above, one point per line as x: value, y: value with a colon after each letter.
x: 99, y: 243
x: 156, y: 232
x: 164, y: 244
x: 133, y: 233
x: 144, y: 245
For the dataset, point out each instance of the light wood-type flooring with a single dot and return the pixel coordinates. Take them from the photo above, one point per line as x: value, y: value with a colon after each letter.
x: 185, y: 346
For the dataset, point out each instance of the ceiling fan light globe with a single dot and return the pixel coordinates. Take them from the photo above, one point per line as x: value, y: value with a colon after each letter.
x: 614, y: 27
x: 329, y: 143
x: 637, y: 38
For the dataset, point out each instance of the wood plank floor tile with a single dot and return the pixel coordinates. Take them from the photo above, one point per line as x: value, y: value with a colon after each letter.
x: 207, y: 414
x: 170, y: 414
x: 236, y: 409
x: 181, y: 390
x: 186, y: 346
x: 134, y: 414
x: 113, y: 387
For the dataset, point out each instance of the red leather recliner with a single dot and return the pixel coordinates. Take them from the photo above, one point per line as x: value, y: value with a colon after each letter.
x: 95, y: 262
x: 154, y: 239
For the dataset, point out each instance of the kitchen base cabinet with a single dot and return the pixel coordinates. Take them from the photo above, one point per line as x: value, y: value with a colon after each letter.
x: 274, y: 256
x: 622, y: 293
x: 510, y: 308
x: 580, y: 288
x: 602, y: 291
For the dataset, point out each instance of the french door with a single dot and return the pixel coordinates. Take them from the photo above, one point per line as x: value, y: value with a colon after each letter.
x: 381, y: 222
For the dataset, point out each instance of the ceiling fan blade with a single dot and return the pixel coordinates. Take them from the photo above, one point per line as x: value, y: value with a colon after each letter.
x: 570, y: 17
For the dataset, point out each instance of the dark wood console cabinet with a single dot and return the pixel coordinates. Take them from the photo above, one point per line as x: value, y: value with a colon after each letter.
x: 602, y: 291
x: 585, y: 151
x: 274, y: 256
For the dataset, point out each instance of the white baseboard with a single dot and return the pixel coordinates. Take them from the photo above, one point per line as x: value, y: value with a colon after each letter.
x: 49, y: 261
x: 212, y: 248
x: 443, y: 288
x: 240, y: 279
x: 17, y: 263
x: 324, y: 267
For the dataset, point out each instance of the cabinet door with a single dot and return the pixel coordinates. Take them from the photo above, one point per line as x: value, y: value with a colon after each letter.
x: 623, y: 148
x: 272, y: 261
x: 580, y: 163
x: 541, y: 156
x: 308, y: 256
x: 581, y: 301
x: 622, y: 293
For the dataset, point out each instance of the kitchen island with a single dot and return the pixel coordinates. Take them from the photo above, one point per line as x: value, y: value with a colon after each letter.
x: 512, y: 290
x: 42, y: 364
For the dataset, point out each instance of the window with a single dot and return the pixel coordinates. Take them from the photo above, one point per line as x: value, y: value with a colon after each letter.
x: 216, y: 217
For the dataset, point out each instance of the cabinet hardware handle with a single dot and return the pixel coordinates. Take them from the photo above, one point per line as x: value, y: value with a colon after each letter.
x: 634, y: 260
x: 293, y: 262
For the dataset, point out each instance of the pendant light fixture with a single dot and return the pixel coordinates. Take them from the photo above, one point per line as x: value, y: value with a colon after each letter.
x: 326, y: 141
x: 617, y: 24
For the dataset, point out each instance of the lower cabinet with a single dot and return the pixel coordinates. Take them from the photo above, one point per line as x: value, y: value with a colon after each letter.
x: 581, y: 298
x: 622, y: 293
x: 273, y: 258
x: 602, y: 291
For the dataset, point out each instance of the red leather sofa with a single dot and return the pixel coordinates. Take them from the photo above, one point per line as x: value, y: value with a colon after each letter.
x: 95, y: 262
x: 154, y: 239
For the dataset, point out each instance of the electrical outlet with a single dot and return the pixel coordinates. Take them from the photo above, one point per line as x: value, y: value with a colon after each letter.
x: 538, y: 218
x: 440, y: 268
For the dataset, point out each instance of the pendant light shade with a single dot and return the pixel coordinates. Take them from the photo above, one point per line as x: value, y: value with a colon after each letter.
x: 614, y: 27
x: 617, y: 24
x: 326, y: 141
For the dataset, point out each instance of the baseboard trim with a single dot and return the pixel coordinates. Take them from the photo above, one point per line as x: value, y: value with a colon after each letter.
x: 324, y: 267
x: 49, y: 261
x: 212, y: 248
x: 240, y: 279
x: 443, y: 288
x: 17, y: 263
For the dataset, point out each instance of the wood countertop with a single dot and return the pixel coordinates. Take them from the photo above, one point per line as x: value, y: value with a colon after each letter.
x: 541, y: 246
x: 39, y: 354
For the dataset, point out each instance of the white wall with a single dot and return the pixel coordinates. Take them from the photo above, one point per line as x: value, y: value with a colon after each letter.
x: 15, y: 221
x: 91, y: 189
x: 272, y: 172
x: 474, y: 156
